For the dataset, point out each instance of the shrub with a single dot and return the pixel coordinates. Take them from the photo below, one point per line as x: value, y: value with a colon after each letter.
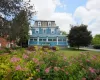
x: 45, y: 48
x: 51, y: 66
x: 33, y: 48
x: 55, y: 48
x: 96, y: 46
x: 7, y: 50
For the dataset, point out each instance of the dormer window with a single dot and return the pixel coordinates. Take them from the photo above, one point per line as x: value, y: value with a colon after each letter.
x: 49, y: 23
x: 39, y: 24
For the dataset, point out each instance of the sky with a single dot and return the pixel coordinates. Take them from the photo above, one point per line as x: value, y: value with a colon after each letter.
x: 66, y: 12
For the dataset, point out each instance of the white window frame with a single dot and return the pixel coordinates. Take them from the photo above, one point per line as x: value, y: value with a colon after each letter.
x: 43, y: 30
x: 52, y: 30
x: 39, y: 24
x: 37, y: 29
x: 49, y: 23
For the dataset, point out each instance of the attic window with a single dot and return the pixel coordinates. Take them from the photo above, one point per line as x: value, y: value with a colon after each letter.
x: 49, y: 23
x: 39, y: 24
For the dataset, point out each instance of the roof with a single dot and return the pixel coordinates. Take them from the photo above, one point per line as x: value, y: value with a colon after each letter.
x: 45, y: 20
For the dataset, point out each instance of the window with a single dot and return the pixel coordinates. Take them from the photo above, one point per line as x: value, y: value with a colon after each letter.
x: 59, y: 39
x: 44, y: 30
x: 39, y: 24
x: 54, y: 39
x: 64, y: 39
x: 40, y: 39
x: 49, y: 23
x: 49, y: 39
x: 44, y: 39
x: 35, y: 39
x: 31, y: 39
x: 37, y: 30
x: 52, y: 30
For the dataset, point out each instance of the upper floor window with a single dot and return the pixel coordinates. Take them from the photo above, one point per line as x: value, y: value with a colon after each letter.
x: 44, y: 30
x: 37, y: 30
x: 39, y: 24
x: 52, y: 31
x: 49, y: 23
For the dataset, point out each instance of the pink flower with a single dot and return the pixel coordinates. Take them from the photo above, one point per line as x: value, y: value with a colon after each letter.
x: 56, y: 68
x: 38, y: 70
x: 66, y: 73
x: 91, y: 70
x: 47, y: 70
x: 15, y: 59
x: 39, y: 79
x: 25, y: 56
x: 35, y: 60
x: 18, y: 67
x: 65, y: 58
x: 83, y: 78
x: 87, y: 60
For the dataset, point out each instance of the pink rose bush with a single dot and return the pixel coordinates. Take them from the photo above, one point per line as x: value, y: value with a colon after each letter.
x: 51, y: 66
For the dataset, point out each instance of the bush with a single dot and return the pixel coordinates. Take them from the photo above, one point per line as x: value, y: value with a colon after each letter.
x: 96, y: 46
x: 51, y: 66
x: 55, y: 48
x: 33, y: 48
x: 45, y: 48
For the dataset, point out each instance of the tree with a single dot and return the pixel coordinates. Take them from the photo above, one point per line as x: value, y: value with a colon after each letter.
x: 20, y: 28
x: 96, y: 40
x: 79, y: 36
x: 63, y: 33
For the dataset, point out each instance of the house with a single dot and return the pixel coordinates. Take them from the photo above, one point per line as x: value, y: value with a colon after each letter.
x: 46, y: 33
x: 4, y: 43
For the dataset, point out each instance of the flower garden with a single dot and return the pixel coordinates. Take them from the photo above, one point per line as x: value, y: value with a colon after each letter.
x: 46, y: 64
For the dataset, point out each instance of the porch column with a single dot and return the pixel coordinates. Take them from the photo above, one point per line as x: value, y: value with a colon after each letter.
x: 57, y: 40
x: 47, y: 39
x: 38, y: 40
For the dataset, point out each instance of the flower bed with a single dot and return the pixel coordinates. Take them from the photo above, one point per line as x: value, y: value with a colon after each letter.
x: 51, y: 66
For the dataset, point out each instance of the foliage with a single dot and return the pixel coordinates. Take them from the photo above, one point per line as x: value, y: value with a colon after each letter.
x: 48, y: 66
x: 96, y: 40
x: 21, y: 33
x: 96, y: 46
x: 56, y: 48
x: 13, y: 7
x: 63, y: 32
x: 32, y: 48
x: 79, y: 36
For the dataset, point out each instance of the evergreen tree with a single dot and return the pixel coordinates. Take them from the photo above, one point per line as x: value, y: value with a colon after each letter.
x: 20, y: 28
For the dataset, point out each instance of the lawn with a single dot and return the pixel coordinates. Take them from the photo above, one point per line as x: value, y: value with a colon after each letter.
x: 75, y: 52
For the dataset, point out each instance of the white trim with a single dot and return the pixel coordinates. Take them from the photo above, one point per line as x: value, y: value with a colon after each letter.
x: 57, y: 40
x: 38, y: 41
x: 39, y: 24
x: 47, y: 39
x: 49, y: 23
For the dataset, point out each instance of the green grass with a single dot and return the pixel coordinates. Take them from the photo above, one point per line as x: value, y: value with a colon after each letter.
x: 74, y: 52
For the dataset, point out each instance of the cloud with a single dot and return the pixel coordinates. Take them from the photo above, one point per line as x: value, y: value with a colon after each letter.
x: 46, y: 11
x: 90, y: 15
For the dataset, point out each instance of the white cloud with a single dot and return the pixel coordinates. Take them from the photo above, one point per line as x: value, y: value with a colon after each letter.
x: 90, y: 14
x: 46, y: 11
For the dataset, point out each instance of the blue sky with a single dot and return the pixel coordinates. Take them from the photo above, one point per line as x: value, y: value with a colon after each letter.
x: 71, y: 5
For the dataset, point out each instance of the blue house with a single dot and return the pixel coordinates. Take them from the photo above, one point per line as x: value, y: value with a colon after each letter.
x: 46, y: 33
